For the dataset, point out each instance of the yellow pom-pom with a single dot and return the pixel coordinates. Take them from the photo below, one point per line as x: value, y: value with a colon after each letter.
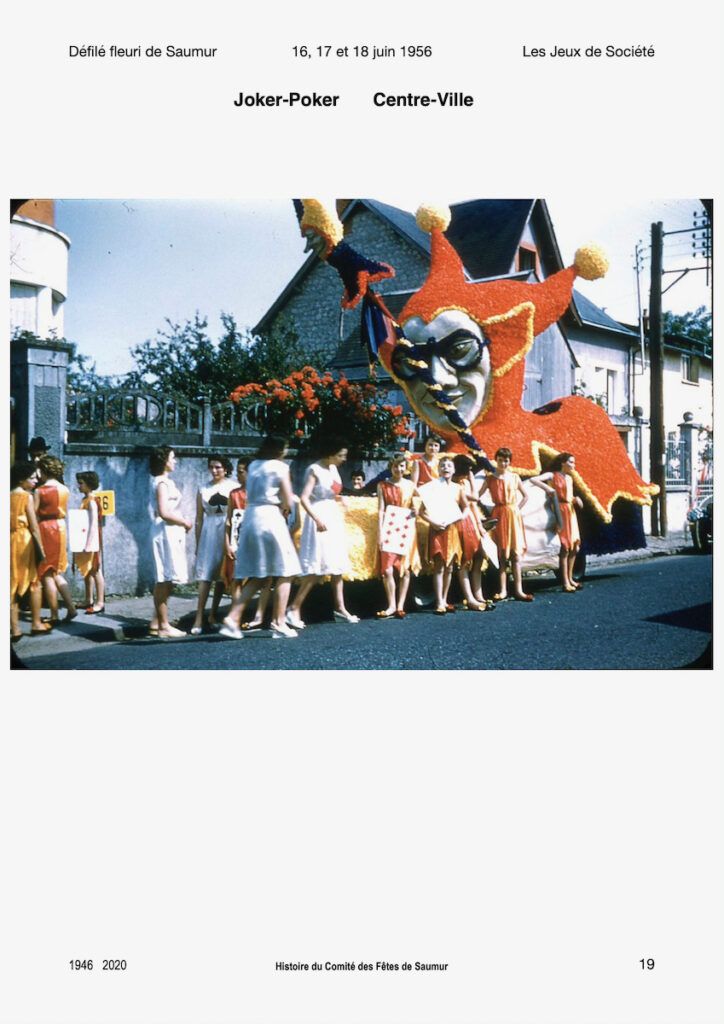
x: 429, y: 217
x: 590, y: 262
x: 321, y: 220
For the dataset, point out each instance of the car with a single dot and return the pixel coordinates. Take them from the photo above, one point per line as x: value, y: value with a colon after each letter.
x: 700, y: 519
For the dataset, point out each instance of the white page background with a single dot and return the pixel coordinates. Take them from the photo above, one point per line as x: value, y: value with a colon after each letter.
x: 540, y: 833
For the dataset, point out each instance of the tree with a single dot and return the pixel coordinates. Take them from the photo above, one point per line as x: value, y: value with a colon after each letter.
x: 184, y: 359
x: 696, y: 326
x: 82, y: 373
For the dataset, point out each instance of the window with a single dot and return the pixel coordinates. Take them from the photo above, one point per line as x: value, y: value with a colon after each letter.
x: 689, y: 368
x: 605, y: 388
x: 611, y: 389
x: 527, y: 258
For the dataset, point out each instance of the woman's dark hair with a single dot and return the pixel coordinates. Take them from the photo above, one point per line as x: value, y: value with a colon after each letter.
x: 272, y: 447
x: 243, y: 461
x: 463, y: 465
x: 21, y: 471
x: 224, y: 460
x: 504, y: 453
x: 329, y: 445
x: 51, y: 468
x: 158, y: 458
x: 88, y: 477
x: 557, y: 464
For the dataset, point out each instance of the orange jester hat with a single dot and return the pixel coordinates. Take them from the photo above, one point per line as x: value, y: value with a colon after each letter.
x: 510, y: 314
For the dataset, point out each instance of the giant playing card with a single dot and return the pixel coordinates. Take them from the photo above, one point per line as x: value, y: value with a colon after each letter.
x: 398, y: 528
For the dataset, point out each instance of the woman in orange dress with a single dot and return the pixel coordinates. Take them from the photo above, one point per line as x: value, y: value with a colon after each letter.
x: 505, y: 488
x: 25, y: 540
x: 470, y: 528
x: 444, y: 549
x: 422, y: 471
x: 559, y: 484
x: 397, y: 492
x: 51, y: 507
x: 425, y: 468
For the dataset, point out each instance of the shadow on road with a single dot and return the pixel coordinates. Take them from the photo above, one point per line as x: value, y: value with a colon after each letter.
x: 698, y: 617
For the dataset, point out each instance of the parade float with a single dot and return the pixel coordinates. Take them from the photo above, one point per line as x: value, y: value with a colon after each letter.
x: 458, y: 350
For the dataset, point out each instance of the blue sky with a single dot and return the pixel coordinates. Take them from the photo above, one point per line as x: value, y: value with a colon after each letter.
x: 134, y: 263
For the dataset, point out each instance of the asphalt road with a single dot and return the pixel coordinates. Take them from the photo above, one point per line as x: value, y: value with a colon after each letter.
x: 653, y: 614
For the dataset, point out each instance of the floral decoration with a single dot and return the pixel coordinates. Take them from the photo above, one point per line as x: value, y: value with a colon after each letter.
x: 307, y: 403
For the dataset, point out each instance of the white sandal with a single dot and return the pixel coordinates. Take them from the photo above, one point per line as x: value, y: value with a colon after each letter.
x: 345, y: 617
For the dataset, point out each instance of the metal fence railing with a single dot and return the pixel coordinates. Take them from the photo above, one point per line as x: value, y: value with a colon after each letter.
x: 678, y: 472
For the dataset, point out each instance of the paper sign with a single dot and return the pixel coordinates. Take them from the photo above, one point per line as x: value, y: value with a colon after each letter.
x: 440, y: 502
x: 398, y: 529
x: 107, y: 500
x: 79, y: 523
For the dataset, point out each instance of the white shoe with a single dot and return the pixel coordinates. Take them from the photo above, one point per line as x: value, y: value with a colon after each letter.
x: 294, y: 621
x: 282, y: 632
x: 231, y: 631
x: 345, y: 617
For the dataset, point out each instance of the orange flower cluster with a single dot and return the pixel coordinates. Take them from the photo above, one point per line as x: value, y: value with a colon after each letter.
x: 306, y: 402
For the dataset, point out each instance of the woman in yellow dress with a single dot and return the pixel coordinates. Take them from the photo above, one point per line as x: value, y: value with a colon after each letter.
x: 51, y: 507
x: 25, y: 540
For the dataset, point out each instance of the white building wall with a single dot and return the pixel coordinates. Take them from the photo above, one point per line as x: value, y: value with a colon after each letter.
x: 680, y: 396
x: 602, y: 370
x: 38, y: 277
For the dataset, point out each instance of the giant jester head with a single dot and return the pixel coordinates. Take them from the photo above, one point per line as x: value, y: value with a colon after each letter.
x: 455, y: 340
x: 459, y: 351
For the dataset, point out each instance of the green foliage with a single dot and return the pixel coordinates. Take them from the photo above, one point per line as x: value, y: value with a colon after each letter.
x: 696, y: 326
x: 83, y: 375
x: 82, y: 372
x: 184, y: 359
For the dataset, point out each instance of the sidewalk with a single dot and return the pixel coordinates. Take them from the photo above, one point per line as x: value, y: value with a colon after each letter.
x: 128, y: 617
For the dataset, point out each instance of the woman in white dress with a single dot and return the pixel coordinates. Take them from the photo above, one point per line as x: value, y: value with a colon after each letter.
x: 211, y: 506
x: 323, y: 547
x: 265, y: 550
x: 168, y: 538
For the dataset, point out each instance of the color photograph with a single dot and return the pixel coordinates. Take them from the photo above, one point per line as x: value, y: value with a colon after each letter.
x: 353, y: 425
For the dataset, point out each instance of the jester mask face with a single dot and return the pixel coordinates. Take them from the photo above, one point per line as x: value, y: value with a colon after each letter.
x: 456, y: 354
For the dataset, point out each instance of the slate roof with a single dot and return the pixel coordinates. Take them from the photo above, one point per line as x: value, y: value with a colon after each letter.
x: 486, y: 234
x: 590, y: 313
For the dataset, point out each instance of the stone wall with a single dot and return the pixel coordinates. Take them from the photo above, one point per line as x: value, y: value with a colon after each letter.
x: 127, y: 562
x: 314, y: 307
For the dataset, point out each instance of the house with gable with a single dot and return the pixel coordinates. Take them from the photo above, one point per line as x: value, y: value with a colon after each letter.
x: 587, y: 351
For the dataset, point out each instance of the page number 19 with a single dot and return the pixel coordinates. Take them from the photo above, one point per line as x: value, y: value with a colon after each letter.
x: 647, y: 965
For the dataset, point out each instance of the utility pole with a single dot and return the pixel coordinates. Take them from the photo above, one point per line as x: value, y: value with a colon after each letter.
x: 656, y: 359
